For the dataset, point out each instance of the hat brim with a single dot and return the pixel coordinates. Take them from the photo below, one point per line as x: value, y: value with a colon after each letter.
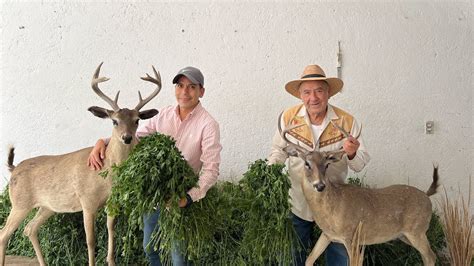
x: 193, y: 80
x: 335, y: 85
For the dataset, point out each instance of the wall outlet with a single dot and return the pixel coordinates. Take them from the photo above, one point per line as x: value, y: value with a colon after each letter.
x: 429, y: 127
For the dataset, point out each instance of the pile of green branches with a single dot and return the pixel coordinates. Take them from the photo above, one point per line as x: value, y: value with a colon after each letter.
x: 155, y: 175
x: 268, y: 234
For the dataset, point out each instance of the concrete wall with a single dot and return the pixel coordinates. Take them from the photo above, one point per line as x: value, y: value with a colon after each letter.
x: 403, y: 63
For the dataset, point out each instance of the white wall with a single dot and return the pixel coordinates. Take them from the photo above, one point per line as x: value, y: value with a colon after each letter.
x: 404, y: 63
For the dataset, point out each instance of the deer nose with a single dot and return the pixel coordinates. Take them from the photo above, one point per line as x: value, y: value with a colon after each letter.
x: 127, y: 139
x: 319, y: 186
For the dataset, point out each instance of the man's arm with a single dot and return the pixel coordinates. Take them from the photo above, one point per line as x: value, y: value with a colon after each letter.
x: 357, y: 155
x: 97, y: 155
x: 277, y: 154
x: 210, y: 158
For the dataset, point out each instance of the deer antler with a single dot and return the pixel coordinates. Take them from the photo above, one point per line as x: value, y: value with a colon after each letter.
x: 156, y: 81
x: 344, y: 132
x: 288, y: 128
x: 95, y: 86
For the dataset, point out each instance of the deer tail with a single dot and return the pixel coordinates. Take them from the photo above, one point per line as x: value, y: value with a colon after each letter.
x: 434, y: 185
x: 11, y: 156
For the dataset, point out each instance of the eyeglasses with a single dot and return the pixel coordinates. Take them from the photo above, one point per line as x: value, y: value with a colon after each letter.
x: 189, y: 86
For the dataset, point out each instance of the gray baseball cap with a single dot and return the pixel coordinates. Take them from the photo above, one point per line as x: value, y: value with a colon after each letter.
x: 192, y: 74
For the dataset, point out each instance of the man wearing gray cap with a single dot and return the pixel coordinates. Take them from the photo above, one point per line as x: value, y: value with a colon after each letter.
x: 197, y: 136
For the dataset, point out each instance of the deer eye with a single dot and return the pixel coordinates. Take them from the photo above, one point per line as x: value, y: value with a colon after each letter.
x: 136, y: 122
x: 306, y: 165
x: 114, y: 122
x: 332, y: 158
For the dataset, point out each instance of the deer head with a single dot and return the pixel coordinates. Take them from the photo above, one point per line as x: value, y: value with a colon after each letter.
x: 125, y: 121
x: 315, y: 162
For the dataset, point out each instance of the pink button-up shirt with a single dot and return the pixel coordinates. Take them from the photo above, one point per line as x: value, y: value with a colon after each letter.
x: 198, y: 139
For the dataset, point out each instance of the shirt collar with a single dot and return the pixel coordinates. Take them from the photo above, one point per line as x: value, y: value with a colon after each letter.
x: 330, y: 115
x: 196, y: 109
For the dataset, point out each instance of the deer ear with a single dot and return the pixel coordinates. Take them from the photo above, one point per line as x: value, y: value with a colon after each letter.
x: 100, y: 112
x: 336, y: 155
x: 147, y: 114
x: 291, y: 150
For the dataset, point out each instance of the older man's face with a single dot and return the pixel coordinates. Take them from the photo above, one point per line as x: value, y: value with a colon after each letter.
x: 315, y: 96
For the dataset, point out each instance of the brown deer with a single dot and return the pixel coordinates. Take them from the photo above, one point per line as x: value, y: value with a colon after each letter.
x: 64, y: 183
x: 397, y: 211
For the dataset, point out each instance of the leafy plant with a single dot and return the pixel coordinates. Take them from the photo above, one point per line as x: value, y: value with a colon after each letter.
x: 268, y: 235
x: 155, y: 175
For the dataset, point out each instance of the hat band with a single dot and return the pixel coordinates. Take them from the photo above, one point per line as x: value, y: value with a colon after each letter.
x: 313, y: 76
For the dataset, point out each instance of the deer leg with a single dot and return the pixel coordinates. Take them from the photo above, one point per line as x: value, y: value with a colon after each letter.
x: 318, y: 248
x: 14, y: 219
x: 422, y: 244
x: 31, y: 231
x: 89, y: 220
x: 110, y: 248
x: 348, y: 246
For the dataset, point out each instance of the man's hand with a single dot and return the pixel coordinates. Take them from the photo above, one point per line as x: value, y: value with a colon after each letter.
x: 97, y: 155
x: 350, y: 147
x: 185, y: 202
x: 182, y: 202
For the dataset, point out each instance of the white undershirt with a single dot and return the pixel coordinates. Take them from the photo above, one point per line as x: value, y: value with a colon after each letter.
x: 317, y: 130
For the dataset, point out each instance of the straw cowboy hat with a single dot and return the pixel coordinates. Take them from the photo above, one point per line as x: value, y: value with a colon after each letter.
x: 314, y: 72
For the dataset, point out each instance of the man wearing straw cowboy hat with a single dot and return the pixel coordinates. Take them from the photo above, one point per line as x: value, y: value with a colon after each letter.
x: 317, y: 134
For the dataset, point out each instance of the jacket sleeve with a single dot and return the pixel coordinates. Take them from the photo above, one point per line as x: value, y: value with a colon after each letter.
x: 277, y: 154
x: 362, y: 157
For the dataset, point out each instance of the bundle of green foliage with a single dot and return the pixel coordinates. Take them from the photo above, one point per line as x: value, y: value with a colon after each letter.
x: 251, y: 225
x: 268, y: 236
x: 230, y: 216
x: 155, y: 175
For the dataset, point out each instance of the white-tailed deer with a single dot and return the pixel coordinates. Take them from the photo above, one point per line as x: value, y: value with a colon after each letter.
x: 397, y: 211
x: 64, y: 183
